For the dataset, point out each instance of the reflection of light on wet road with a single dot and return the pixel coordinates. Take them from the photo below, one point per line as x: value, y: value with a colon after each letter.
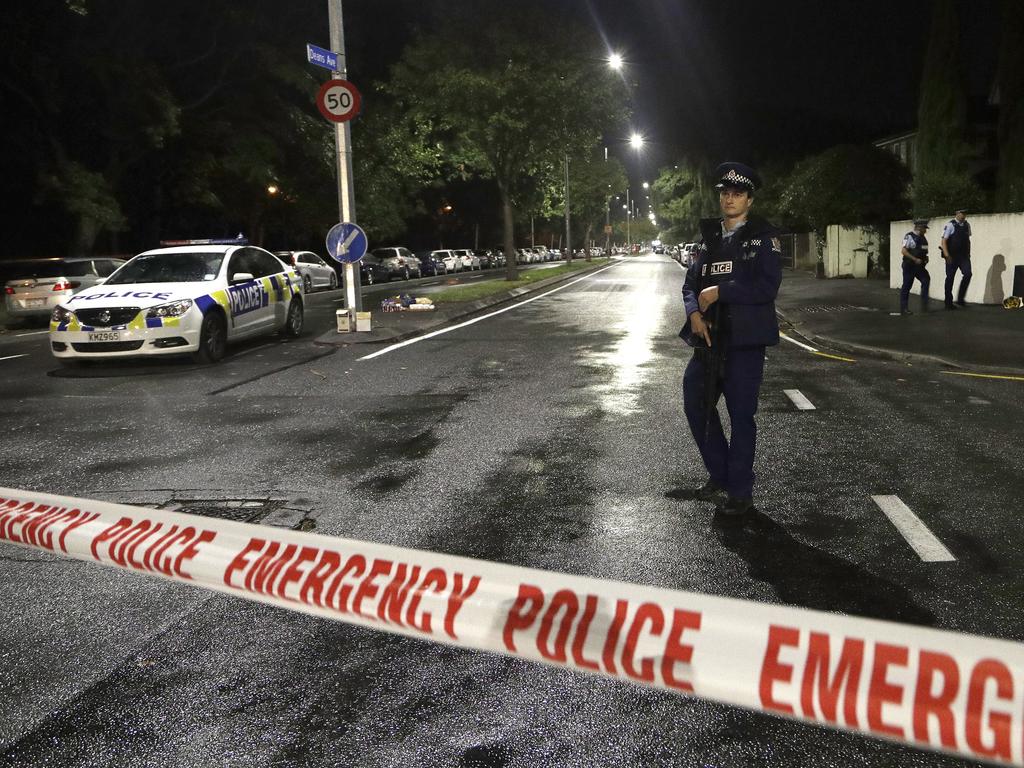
x: 644, y: 312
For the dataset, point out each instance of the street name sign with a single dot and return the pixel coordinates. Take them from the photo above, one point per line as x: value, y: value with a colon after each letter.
x: 321, y: 57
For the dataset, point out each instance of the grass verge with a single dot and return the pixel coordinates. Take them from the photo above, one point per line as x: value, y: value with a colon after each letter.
x: 491, y: 287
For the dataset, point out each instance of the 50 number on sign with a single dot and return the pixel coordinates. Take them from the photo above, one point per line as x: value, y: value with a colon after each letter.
x: 338, y: 100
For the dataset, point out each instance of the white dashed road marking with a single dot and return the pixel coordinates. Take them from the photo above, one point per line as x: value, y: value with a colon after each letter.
x: 799, y: 400
x: 922, y: 540
x: 13, y: 357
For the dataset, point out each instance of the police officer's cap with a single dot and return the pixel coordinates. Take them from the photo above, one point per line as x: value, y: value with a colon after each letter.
x: 964, y: 211
x: 921, y: 223
x: 737, y: 176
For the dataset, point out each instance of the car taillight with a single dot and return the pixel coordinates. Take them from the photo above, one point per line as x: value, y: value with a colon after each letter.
x: 8, y: 290
x: 64, y: 285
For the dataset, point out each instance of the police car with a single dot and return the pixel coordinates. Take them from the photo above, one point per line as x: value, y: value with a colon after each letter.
x: 194, y: 297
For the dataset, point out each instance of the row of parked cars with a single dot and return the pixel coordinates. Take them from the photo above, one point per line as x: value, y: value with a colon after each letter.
x: 33, y: 287
x: 684, y: 253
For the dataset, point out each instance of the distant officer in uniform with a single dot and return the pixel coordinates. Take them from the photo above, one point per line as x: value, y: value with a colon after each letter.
x: 729, y: 295
x: 956, y: 250
x: 915, y: 257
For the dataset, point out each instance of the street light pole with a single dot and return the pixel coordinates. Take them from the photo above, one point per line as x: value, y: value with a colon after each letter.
x: 342, y: 145
x: 629, y: 213
x: 568, y: 229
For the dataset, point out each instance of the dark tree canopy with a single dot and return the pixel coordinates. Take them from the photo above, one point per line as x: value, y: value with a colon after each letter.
x: 851, y: 185
x: 507, y: 98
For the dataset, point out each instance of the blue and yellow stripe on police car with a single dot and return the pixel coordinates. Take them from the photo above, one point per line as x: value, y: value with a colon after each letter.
x: 205, y: 303
x: 67, y: 325
x: 163, y: 322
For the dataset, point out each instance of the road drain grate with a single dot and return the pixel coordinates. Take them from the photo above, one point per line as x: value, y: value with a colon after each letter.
x: 815, y: 308
x: 280, y: 513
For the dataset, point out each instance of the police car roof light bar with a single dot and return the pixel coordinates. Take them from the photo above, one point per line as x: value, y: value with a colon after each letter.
x: 240, y: 240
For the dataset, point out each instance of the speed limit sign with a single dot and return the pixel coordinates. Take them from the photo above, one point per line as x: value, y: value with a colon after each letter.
x: 338, y: 100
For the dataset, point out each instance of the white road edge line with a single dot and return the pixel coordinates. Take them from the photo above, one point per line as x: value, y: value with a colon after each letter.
x: 431, y: 335
x: 798, y: 343
x: 922, y: 540
x: 799, y: 400
x: 13, y: 357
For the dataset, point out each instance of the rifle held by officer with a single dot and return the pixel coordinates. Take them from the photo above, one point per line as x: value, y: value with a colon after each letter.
x: 714, y: 368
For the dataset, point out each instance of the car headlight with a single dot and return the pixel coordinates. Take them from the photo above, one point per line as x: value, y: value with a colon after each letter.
x: 173, y: 309
x: 61, y: 315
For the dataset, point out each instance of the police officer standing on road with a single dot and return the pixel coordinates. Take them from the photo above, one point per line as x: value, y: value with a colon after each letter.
x: 956, y: 250
x: 729, y: 295
x: 915, y: 257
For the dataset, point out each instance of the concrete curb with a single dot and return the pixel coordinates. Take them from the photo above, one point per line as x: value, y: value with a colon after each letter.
x: 442, y: 317
x: 894, y: 355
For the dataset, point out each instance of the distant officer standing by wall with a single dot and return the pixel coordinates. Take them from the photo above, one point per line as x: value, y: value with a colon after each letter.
x: 729, y: 295
x: 956, y: 250
x: 915, y: 259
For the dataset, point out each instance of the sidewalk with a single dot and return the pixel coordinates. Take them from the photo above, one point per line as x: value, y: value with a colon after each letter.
x: 389, y: 327
x: 856, y: 316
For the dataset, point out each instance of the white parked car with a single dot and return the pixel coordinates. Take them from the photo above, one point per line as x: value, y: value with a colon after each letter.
x: 186, y: 299
x: 452, y: 263
x: 33, y: 287
x: 315, y: 272
x: 469, y: 259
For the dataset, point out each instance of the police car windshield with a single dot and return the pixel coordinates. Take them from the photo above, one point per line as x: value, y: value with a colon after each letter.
x: 179, y: 267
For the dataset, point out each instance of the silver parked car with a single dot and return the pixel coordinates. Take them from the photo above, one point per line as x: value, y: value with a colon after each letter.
x: 316, y: 273
x: 33, y: 287
x: 401, y: 262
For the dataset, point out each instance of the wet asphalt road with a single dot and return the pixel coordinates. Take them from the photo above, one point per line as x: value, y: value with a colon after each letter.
x: 549, y: 436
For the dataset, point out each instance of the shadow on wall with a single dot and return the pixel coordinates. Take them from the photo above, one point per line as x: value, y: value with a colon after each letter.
x: 994, y: 293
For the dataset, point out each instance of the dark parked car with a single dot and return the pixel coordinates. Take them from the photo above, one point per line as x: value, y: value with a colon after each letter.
x: 370, y: 272
x: 486, y: 259
x: 498, y: 256
x: 432, y: 262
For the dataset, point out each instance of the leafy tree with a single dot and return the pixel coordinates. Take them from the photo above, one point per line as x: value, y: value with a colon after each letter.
x: 684, y: 194
x: 850, y: 185
x: 943, y: 179
x: 592, y: 180
x: 183, y: 138
x: 506, y: 96
x: 1010, y: 80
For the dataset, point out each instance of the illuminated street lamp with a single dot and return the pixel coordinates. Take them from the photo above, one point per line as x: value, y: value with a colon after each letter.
x: 273, y: 189
x: 615, y: 61
x: 636, y: 141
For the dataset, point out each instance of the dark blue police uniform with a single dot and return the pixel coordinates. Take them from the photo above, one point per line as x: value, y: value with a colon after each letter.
x: 957, y: 235
x: 746, y: 267
x: 917, y: 246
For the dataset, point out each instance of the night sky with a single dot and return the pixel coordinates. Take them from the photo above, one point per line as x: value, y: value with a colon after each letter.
x: 761, y: 81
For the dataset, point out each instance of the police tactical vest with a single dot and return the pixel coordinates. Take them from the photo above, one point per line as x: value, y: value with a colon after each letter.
x: 920, y: 249
x: 718, y: 268
x: 959, y: 243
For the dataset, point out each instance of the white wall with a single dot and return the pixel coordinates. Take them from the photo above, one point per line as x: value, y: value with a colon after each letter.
x: 846, y: 251
x: 997, y: 246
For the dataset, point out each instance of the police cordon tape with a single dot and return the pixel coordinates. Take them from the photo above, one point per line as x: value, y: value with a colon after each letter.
x: 928, y: 688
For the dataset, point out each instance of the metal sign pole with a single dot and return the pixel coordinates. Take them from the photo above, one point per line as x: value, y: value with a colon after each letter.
x: 343, y: 144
